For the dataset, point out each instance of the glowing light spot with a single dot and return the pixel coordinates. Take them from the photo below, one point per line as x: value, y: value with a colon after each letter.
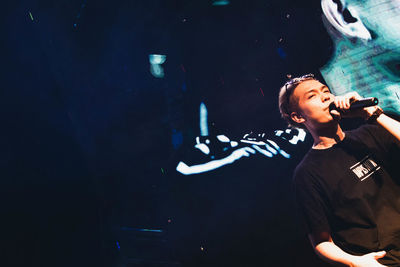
x: 234, y: 143
x: 203, y: 148
x: 157, y: 59
x: 124, y: 228
x: 263, y: 151
x: 203, y: 120
x: 155, y: 65
x: 300, y: 137
x: 271, y: 149
x: 223, y: 138
x: 162, y: 170
x: 30, y: 14
x: 275, y: 145
x: 214, y: 164
x: 151, y: 230
x: 260, y: 143
x: 220, y: 3
x: 117, y: 243
x: 284, y: 154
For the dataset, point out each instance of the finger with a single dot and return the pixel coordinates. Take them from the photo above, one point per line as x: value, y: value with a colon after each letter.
x: 356, y: 96
x: 347, y: 103
x: 380, y: 254
x: 339, y: 102
x: 335, y: 113
x: 342, y: 103
x: 350, y: 100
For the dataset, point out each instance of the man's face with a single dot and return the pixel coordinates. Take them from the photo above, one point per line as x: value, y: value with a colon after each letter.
x: 313, y: 99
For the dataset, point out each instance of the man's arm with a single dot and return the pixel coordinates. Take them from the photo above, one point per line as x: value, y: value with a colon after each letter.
x: 343, y: 103
x: 328, y: 251
x: 391, y: 125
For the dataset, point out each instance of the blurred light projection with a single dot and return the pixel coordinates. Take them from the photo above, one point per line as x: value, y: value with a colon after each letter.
x: 155, y: 65
x: 30, y: 15
x: 203, y: 120
x: 366, y: 56
x: 220, y: 150
x: 296, y: 138
x: 220, y: 3
x: 214, y: 164
x: 214, y: 152
x: 125, y: 228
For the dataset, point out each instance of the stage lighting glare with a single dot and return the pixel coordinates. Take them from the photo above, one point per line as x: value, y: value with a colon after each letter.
x: 223, y: 138
x: 157, y: 59
x: 203, y: 120
x: 220, y: 3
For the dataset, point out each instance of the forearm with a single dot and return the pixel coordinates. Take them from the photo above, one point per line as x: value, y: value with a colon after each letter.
x: 391, y: 125
x: 331, y: 253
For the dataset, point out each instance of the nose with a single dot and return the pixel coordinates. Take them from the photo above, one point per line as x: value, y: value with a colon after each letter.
x: 326, y: 97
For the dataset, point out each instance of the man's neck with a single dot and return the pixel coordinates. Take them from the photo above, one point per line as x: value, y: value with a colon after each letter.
x: 326, y: 138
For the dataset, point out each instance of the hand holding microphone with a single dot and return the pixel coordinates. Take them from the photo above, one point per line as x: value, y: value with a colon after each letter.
x: 353, y: 105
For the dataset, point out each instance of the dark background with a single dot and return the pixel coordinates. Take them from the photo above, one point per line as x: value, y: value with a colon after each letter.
x: 90, y: 139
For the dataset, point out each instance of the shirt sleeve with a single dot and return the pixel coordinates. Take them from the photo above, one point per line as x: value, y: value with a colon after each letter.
x: 383, y: 138
x: 310, y: 202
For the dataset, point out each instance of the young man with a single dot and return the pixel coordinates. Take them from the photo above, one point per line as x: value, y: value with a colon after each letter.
x: 348, y: 185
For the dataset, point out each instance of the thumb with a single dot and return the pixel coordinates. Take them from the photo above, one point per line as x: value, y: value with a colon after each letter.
x: 379, y: 254
x: 335, y: 113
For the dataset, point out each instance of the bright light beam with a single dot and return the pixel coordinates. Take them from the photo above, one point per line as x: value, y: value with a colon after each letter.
x: 203, y: 120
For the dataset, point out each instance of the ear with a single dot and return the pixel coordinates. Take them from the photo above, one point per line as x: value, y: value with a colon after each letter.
x: 296, y: 117
x: 345, y: 19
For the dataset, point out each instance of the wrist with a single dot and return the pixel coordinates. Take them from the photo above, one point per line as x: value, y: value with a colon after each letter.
x: 353, y: 261
x: 372, y: 115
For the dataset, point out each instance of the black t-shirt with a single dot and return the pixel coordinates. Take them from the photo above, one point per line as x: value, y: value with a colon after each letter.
x: 352, y: 191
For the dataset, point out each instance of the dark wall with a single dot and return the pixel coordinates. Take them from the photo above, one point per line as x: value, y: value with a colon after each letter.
x: 90, y: 139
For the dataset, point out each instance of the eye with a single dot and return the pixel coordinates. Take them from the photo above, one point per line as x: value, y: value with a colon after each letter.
x: 310, y: 96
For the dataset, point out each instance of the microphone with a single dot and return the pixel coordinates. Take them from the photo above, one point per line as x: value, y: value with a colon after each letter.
x: 358, y: 104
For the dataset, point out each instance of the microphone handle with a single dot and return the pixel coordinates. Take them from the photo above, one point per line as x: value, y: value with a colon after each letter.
x: 365, y: 102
